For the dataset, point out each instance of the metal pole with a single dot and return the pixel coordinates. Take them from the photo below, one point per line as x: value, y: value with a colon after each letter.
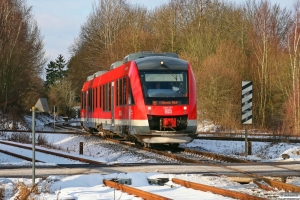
x: 33, y: 146
x: 54, y: 117
x: 246, y: 142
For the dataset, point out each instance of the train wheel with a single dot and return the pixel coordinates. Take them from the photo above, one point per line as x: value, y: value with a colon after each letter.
x: 174, y: 145
x: 105, y: 134
x: 147, y: 145
x: 130, y: 138
x: 101, y: 133
x: 138, y: 143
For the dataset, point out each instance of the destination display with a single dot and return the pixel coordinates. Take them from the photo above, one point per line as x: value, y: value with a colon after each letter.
x: 166, y: 102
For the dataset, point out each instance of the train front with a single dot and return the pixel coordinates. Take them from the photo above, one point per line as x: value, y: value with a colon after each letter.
x: 169, y: 94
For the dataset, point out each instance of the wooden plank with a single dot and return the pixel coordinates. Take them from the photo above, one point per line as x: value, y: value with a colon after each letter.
x: 134, y: 191
x: 215, y: 190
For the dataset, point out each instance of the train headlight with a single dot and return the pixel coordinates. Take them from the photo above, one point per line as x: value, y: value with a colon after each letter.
x: 184, y: 108
x: 149, y: 109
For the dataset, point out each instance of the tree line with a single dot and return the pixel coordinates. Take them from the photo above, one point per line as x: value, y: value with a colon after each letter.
x: 22, y: 61
x: 225, y: 43
x: 21, y: 57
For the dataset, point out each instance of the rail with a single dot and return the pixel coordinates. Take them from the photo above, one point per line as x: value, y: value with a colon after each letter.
x: 18, y: 156
x: 215, y: 190
x: 250, y: 139
x: 134, y: 191
x: 272, y: 183
x: 54, y: 153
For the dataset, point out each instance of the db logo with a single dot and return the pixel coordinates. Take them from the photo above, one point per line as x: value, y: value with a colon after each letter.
x: 168, y: 111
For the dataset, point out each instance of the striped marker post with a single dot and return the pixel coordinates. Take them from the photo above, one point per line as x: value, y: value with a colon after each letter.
x: 246, y: 108
x: 246, y: 102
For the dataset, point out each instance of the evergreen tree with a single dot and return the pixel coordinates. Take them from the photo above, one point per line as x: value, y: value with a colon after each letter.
x: 55, y: 71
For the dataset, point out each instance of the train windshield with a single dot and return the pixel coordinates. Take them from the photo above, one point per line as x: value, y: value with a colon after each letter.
x: 165, y: 87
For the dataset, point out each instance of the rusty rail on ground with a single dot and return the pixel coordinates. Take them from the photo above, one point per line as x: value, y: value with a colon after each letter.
x: 215, y: 190
x: 54, y: 153
x: 217, y: 156
x: 272, y: 183
x: 182, y: 159
x: 280, y: 185
x: 261, y: 184
x: 19, y: 156
x: 51, y: 132
x: 134, y: 191
x: 241, y: 139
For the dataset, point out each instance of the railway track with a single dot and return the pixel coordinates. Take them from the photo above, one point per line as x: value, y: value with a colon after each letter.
x: 250, y: 139
x: 47, y: 152
x: 187, y: 184
x: 70, y: 131
x: 272, y: 183
x: 185, y: 155
x: 67, y: 129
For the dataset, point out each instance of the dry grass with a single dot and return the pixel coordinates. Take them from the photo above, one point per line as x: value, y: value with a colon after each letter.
x: 42, y: 140
x: 21, y: 137
x: 2, y: 192
x: 25, y: 191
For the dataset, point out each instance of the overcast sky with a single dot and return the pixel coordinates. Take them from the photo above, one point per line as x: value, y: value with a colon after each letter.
x: 60, y: 20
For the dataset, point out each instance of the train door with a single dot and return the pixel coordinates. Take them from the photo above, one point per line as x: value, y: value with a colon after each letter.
x: 87, y: 106
x: 112, y: 104
x: 130, y: 103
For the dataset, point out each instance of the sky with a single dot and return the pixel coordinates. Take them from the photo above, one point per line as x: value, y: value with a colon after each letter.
x: 60, y: 20
x: 90, y: 186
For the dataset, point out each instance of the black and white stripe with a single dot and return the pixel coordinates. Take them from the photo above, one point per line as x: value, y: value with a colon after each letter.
x: 246, y: 102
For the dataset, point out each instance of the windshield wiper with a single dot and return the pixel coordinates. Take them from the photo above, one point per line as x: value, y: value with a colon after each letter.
x: 163, y: 65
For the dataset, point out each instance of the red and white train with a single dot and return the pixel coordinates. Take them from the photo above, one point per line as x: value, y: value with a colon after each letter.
x: 147, y: 98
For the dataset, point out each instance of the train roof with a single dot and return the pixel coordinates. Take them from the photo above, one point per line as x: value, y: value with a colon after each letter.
x: 116, y: 64
x: 98, y: 73
x: 143, y: 54
x: 133, y: 56
x: 160, y: 63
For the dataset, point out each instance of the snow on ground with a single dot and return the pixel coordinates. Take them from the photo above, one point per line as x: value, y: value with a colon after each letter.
x: 91, y: 186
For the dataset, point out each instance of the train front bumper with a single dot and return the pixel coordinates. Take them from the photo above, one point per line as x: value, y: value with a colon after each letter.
x: 165, y: 138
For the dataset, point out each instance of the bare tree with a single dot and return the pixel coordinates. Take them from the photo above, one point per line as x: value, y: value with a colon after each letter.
x: 219, y: 89
x: 21, y: 52
x: 63, y: 94
x: 269, y: 28
x: 294, y: 55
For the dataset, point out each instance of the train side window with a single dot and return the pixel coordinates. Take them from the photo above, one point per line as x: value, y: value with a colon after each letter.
x: 96, y: 96
x: 104, y: 95
x: 121, y: 91
x: 130, y: 96
x: 82, y: 100
x: 100, y: 96
x: 124, y: 92
x: 107, y: 97
x: 117, y: 92
x: 89, y: 100
x: 94, y: 99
